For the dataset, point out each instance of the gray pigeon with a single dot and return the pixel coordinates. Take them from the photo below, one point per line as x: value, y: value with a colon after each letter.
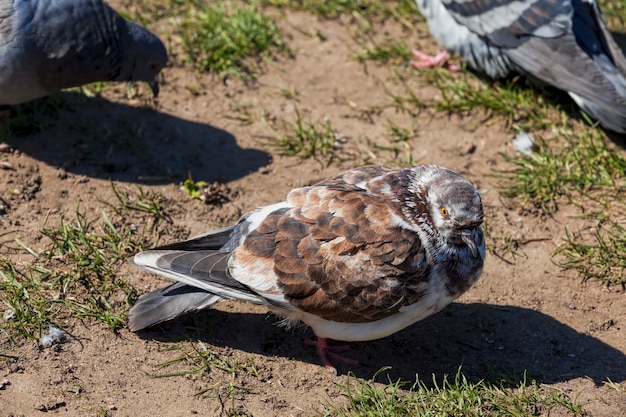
x: 564, y: 43
x: 48, y: 45
x: 356, y: 257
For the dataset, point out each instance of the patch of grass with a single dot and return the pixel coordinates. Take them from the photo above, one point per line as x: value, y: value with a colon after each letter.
x: 404, y: 11
x: 454, y: 397
x: 199, y: 359
x: 404, y: 100
x: 290, y: 93
x: 400, y: 134
x: 616, y: 386
x: 307, y: 139
x: 397, y: 153
x: 523, y: 108
x: 391, y: 53
x: 83, y: 260
x: 579, y: 170
x: 603, y: 259
x: 26, y: 308
x: 75, y: 274
x: 224, y: 37
x: 150, y: 203
x: 242, y: 112
x: 231, y: 37
x: 574, y: 169
x: 504, y: 247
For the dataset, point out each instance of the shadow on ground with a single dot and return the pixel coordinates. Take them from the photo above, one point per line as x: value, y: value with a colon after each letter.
x: 103, y: 139
x: 490, y: 342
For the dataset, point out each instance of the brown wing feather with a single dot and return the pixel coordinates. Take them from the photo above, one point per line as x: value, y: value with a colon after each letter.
x: 338, y: 254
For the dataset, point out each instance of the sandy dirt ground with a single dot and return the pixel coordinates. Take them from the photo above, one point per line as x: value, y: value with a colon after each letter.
x: 524, y: 315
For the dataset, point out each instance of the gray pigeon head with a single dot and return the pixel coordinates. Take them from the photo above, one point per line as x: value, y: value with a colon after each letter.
x: 454, y: 205
x: 144, y: 56
x: 46, y: 46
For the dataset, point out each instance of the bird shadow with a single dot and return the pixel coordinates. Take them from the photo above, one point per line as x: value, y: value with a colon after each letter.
x: 98, y: 138
x: 489, y: 342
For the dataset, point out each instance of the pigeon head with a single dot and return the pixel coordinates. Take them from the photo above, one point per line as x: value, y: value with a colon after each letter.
x: 454, y: 206
x: 145, y: 57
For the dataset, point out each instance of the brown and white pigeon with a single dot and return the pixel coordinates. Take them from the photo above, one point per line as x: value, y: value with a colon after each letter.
x: 356, y: 257
x: 563, y: 43
x: 49, y: 45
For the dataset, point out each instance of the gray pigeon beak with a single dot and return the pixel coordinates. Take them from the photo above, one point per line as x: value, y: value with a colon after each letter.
x: 154, y: 86
x: 466, y: 236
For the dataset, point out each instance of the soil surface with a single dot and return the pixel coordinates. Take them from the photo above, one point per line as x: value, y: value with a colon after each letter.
x: 524, y: 315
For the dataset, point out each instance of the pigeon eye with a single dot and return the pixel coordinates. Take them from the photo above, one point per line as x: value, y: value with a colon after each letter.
x: 444, y: 212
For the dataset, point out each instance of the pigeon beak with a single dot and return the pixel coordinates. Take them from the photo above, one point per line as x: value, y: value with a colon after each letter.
x: 154, y: 86
x: 466, y: 236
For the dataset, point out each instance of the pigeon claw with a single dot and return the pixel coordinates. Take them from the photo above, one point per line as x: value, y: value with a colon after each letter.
x: 423, y: 60
x: 333, y: 352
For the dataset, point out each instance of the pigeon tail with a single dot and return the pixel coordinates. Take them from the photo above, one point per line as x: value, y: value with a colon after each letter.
x: 609, y: 117
x: 201, y: 272
x: 168, y: 303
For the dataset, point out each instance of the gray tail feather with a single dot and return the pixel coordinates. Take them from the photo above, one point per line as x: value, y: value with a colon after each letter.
x: 168, y: 303
x: 612, y: 118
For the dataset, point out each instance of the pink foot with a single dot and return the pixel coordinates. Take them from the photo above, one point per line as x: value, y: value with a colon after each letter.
x: 325, y: 351
x: 427, y: 61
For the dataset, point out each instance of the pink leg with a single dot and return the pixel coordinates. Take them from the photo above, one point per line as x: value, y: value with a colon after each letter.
x: 427, y: 61
x: 325, y: 351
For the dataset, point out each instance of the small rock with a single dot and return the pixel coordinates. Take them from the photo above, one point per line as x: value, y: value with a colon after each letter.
x: 9, y: 314
x: 6, y: 165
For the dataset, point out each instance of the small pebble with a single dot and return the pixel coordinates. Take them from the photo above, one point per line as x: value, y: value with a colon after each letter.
x: 9, y: 314
x: 6, y: 165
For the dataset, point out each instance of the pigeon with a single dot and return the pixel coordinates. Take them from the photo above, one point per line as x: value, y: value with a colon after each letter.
x: 563, y: 43
x: 49, y: 45
x: 356, y: 257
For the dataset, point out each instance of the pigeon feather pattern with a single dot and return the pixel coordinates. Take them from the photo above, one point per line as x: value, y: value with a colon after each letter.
x: 49, y: 45
x: 356, y: 257
x: 564, y: 43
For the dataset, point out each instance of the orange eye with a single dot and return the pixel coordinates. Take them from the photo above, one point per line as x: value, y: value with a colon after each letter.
x: 444, y: 212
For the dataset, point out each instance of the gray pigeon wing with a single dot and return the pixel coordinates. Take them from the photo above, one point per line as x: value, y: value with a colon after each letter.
x: 509, y: 23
